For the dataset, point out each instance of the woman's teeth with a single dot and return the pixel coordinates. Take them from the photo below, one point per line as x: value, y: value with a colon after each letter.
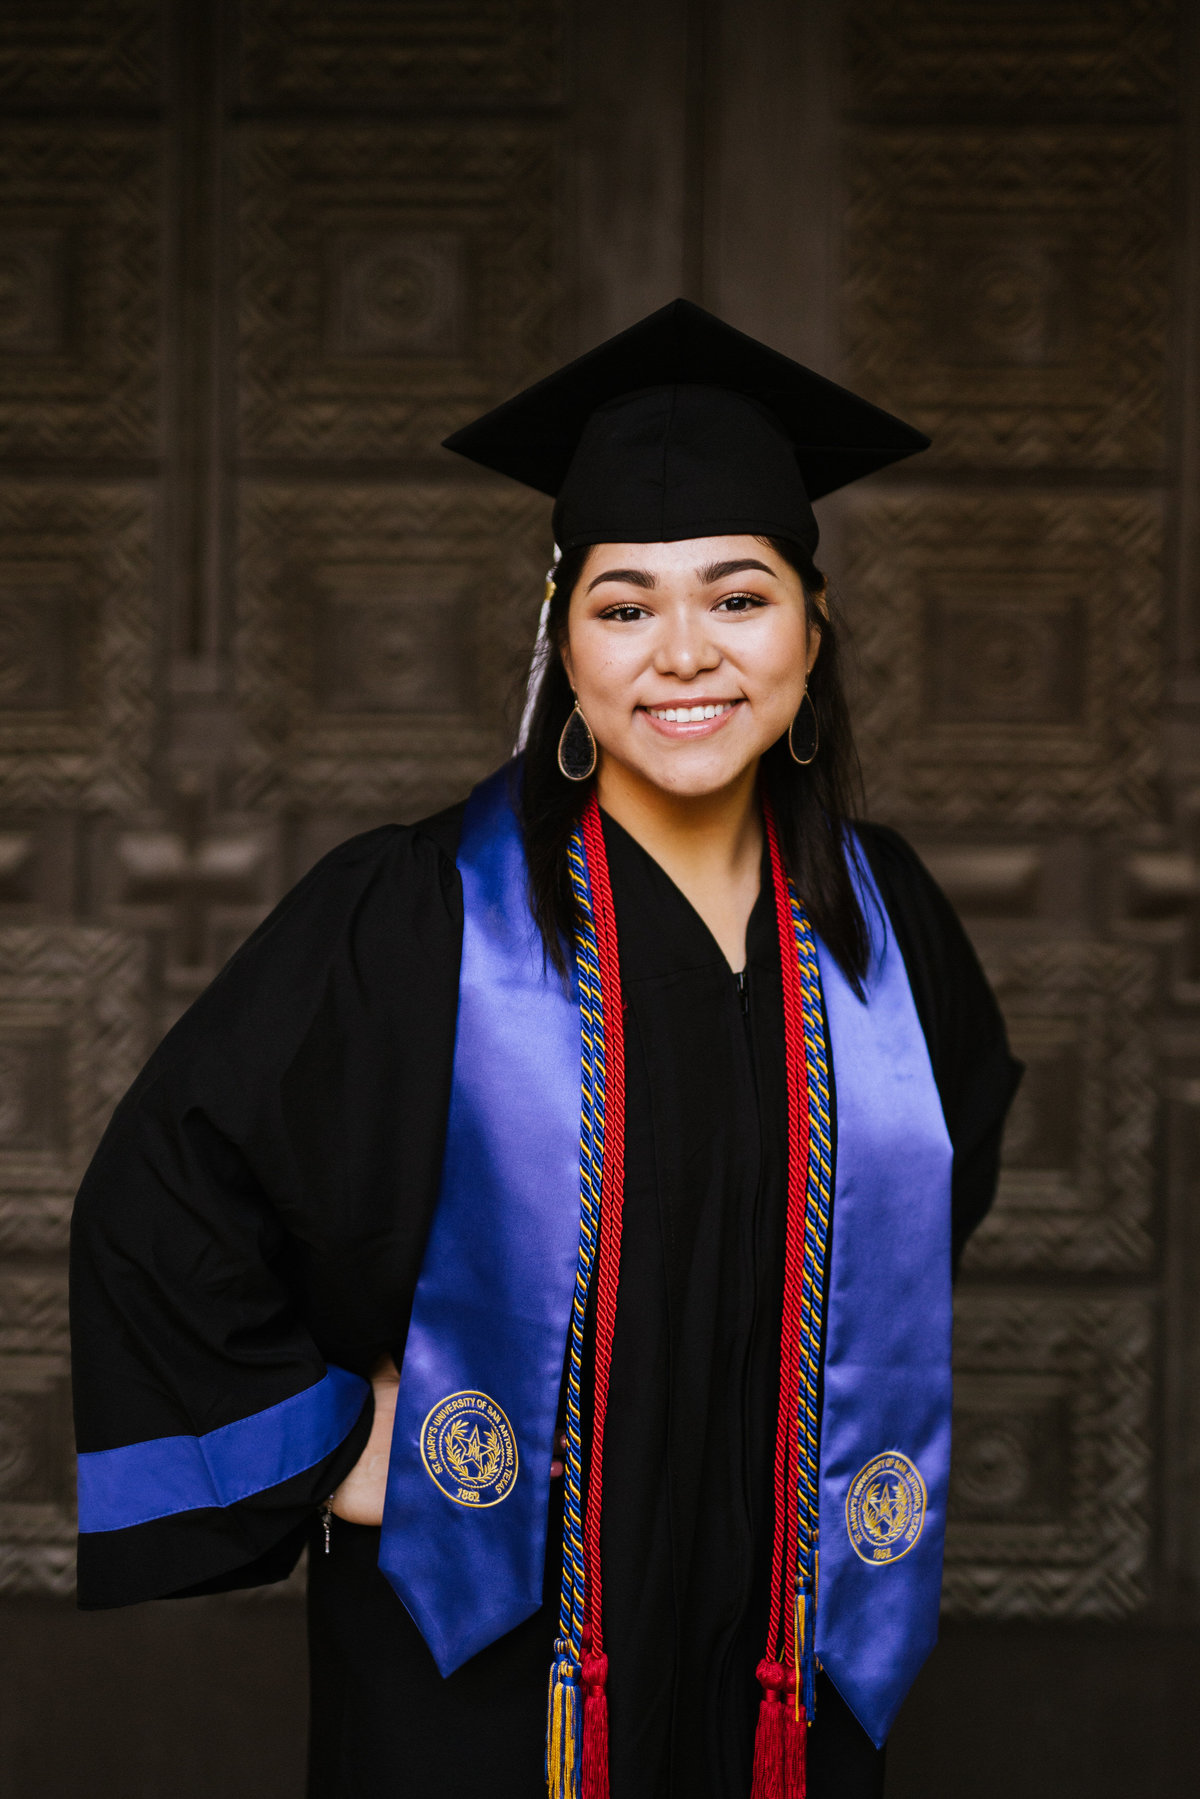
x: 688, y: 715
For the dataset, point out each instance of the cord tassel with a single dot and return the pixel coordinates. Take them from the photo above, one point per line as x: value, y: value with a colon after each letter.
x: 563, y: 1737
x: 768, y: 1782
x: 795, y: 1753
x: 806, y: 1658
x: 595, y: 1726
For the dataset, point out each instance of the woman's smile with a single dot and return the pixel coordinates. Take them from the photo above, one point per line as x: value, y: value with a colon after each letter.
x: 691, y: 718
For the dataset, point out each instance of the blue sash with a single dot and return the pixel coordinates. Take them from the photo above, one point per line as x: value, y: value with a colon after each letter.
x: 464, y: 1523
x: 464, y: 1529
x: 885, y: 1416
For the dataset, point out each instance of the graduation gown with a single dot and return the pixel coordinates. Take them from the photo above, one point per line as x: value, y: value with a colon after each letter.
x: 258, y: 1209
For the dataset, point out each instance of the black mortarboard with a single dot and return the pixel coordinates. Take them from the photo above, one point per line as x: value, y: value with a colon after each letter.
x: 683, y: 427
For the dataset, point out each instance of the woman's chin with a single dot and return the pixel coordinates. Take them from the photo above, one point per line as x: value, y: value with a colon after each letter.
x: 690, y: 772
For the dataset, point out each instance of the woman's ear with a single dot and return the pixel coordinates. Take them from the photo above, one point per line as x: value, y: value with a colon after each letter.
x: 820, y: 602
x: 565, y: 654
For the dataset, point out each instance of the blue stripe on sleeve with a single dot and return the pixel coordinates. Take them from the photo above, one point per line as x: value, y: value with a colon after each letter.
x: 142, y: 1481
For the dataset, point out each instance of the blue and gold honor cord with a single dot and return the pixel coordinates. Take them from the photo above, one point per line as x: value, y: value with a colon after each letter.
x: 564, y: 1735
x: 816, y: 1243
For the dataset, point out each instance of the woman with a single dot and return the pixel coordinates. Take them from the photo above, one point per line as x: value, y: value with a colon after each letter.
x: 635, y: 1112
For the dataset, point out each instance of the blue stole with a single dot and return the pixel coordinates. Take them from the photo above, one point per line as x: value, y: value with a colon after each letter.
x: 885, y: 1415
x: 464, y: 1527
x: 464, y: 1534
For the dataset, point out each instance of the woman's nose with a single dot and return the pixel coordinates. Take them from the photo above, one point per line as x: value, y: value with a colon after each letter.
x: 686, y: 648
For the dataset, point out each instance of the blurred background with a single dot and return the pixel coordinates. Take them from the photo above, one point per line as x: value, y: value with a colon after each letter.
x: 256, y: 260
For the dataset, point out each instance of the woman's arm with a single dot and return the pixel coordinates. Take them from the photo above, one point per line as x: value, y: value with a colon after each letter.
x: 359, y: 1499
x: 247, y: 1239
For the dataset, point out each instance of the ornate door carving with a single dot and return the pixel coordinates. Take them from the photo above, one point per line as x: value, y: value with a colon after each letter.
x: 256, y: 260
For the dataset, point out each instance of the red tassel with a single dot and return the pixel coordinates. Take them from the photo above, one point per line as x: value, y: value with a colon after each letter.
x: 768, y: 1737
x: 795, y: 1753
x: 595, y: 1727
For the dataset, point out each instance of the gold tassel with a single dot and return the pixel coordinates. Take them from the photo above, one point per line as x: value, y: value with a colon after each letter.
x: 798, y: 1648
x: 562, y: 1734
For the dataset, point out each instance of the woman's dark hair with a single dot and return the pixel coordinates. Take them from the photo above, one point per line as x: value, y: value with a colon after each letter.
x: 811, y: 804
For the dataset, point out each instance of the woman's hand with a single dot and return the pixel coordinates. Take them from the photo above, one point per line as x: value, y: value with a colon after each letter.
x: 360, y: 1497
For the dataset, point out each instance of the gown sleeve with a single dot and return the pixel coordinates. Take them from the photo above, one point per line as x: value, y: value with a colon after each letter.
x: 246, y: 1240
x: 975, y: 1073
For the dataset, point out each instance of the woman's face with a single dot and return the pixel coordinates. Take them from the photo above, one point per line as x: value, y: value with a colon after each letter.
x: 688, y: 659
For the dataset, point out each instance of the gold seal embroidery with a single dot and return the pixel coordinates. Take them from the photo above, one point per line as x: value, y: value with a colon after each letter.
x: 885, y: 1508
x: 469, y: 1449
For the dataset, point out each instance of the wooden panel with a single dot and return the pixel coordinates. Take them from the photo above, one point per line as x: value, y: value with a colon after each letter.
x: 77, y: 654
x: 940, y: 53
x: 394, y: 282
x: 72, y: 1030
x: 1008, y: 655
x: 385, y: 633
x: 81, y: 50
x: 466, y: 52
x: 1076, y: 1192
x: 72, y: 1035
x: 80, y: 291
x: 37, y: 1497
x: 189, y: 879
x: 1008, y: 292
x: 1050, y: 1492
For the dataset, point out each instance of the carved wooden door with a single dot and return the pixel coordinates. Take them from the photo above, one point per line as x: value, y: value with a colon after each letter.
x: 256, y: 260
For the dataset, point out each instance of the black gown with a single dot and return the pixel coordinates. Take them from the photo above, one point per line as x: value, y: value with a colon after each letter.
x: 287, y: 1253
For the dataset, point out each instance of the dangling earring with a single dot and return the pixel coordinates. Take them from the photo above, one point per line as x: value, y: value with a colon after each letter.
x: 810, y: 737
x: 577, y: 747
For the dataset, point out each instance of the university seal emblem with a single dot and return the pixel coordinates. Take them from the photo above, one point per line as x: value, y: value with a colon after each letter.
x: 885, y: 1508
x: 469, y: 1450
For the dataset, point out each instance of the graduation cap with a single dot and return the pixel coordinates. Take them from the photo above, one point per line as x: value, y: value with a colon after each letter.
x: 683, y: 427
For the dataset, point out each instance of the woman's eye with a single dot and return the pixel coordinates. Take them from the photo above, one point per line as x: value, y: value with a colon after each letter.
x: 739, y: 602
x: 625, y: 615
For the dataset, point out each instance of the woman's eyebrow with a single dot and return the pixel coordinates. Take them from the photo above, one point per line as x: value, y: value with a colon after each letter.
x: 635, y: 577
x: 717, y: 571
